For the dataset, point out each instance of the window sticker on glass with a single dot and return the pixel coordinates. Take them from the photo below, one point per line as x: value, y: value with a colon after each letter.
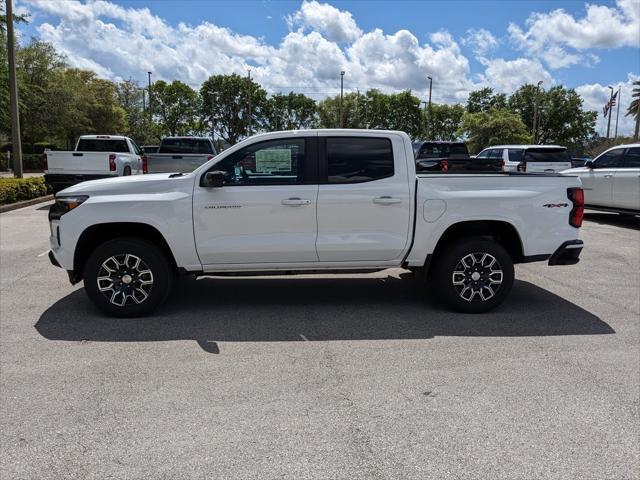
x: 273, y: 160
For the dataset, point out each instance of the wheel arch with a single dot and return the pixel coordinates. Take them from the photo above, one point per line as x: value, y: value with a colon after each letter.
x: 97, y: 234
x: 505, y: 233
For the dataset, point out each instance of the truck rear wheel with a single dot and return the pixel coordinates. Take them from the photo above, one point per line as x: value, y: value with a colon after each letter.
x: 473, y: 275
x: 127, y: 277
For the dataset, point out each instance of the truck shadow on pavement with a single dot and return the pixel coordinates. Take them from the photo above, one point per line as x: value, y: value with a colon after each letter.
x: 210, y: 310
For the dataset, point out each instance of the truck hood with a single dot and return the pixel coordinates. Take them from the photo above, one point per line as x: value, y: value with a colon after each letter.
x: 150, y: 183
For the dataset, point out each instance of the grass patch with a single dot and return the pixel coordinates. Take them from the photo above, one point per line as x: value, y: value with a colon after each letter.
x: 17, y: 189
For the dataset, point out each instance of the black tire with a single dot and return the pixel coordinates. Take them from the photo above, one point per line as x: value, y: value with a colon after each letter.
x: 481, y: 277
x: 126, y: 172
x: 127, y: 280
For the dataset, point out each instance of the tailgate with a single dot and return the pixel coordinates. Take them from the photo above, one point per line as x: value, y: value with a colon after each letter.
x: 175, y: 162
x: 78, y: 162
x: 547, y: 167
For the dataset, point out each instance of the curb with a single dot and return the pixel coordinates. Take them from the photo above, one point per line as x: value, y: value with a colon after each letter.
x: 24, y: 203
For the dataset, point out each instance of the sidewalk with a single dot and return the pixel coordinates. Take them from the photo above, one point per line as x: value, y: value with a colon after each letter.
x: 26, y: 175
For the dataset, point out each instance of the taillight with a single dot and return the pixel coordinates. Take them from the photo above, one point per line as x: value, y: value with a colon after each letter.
x: 145, y: 165
x: 576, y: 195
x: 522, y: 167
x: 112, y: 162
x: 45, y: 161
x: 502, y: 165
x: 444, y: 165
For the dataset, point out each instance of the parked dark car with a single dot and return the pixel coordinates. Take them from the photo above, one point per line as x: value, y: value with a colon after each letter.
x: 150, y: 148
x: 442, y: 156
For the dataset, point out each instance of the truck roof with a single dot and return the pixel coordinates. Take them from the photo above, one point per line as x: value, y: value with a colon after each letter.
x: 525, y: 146
x: 104, y: 137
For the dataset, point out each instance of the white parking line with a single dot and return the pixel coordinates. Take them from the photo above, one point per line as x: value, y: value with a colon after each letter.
x: 43, y: 254
x: 303, y: 337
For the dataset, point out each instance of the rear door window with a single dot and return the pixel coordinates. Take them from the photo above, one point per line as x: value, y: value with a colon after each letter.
x: 102, y: 145
x: 495, y: 153
x: 632, y: 158
x: 355, y: 160
x: 515, y: 155
x: 610, y: 159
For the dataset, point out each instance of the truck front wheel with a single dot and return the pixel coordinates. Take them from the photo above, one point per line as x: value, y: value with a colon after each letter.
x: 127, y: 277
x: 473, y: 275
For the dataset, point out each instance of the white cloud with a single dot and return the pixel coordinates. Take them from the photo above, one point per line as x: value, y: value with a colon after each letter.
x: 559, y: 38
x: 335, y: 25
x: 507, y: 76
x: 481, y: 41
x: 596, y: 95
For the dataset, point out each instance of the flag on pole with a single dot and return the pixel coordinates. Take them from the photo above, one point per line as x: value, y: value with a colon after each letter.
x: 610, y: 104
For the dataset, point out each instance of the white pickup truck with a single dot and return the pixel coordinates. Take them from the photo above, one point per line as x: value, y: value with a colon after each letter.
x: 313, y: 201
x: 95, y: 156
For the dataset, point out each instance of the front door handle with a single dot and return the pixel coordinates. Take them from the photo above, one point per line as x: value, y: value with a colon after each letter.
x: 608, y: 176
x: 386, y: 200
x: 295, y: 201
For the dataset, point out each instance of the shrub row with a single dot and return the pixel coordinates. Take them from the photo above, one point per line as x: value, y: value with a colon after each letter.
x: 33, y: 162
x: 17, y: 189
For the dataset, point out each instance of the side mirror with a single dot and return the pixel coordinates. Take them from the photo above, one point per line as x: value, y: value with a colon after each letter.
x: 589, y: 164
x: 213, y: 179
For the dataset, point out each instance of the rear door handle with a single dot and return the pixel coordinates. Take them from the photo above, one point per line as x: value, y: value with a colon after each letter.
x: 386, y: 200
x: 608, y: 176
x: 295, y: 201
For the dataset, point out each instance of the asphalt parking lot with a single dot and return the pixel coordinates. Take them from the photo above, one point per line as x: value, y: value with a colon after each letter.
x: 319, y: 377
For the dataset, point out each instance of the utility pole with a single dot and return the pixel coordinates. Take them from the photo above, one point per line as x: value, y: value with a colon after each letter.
x: 341, y: 98
x: 636, y: 133
x: 144, y: 103
x: 618, y: 112
x: 150, y: 109
x: 16, y: 145
x: 249, y: 96
x: 429, y: 112
x: 535, y: 113
x: 609, y: 120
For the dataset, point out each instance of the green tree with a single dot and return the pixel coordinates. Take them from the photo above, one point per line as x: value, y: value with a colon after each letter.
x: 5, y: 110
x: 445, y: 121
x: 175, y: 105
x: 85, y: 104
x: 634, y: 107
x: 138, y: 124
x: 493, y: 127
x: 289, y: 112
x: 352, y: 114
x: 483, y: 100
x: 563, y: 121
x: 225, y: 106
x: 36, y: 65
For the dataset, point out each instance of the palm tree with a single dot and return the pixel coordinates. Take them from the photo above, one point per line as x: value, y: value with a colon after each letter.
x: 634, y: 107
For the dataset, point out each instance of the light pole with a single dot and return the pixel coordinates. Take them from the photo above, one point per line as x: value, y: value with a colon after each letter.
x: 249, y: 95
x: 150, y: 109
x: 609, y: 111
x: 341, y: 98
x: 535, y: 113
x: 16, y: 145
x: 618, y: 112
x: 425, y: 118
x: 429, y: 112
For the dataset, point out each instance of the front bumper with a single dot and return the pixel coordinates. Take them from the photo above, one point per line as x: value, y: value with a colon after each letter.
x: 568, y: 253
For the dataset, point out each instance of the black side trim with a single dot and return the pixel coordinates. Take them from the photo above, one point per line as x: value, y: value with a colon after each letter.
x: 567, y: 254
x: 53, y: 260
x: 535, y: 258
x: 415, y: 220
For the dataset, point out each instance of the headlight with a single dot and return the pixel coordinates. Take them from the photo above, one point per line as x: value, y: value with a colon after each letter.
x: 65, y: 204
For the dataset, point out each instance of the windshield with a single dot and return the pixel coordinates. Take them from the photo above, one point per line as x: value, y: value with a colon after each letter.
x: 185, y: 145
x: 547, y: 155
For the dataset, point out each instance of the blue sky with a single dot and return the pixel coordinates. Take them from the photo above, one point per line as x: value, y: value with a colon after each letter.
x: 302, y: 45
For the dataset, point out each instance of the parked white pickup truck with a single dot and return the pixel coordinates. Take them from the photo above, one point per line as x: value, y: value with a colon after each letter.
x: 313, y: 201
x: 181, y: 154
x: 95, y: 156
